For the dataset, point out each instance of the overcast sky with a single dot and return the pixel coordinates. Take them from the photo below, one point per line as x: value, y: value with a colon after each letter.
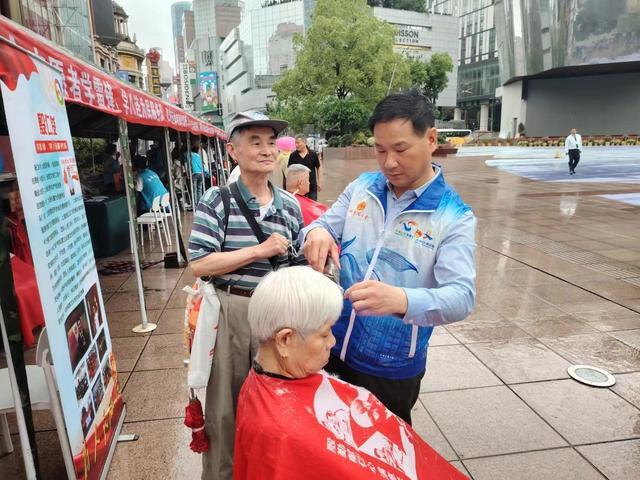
x: 150, y: 21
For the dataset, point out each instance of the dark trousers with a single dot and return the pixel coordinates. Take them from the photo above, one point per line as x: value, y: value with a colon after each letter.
x: 313, y: 195
x: 574, y: 159
x: 399, y: 396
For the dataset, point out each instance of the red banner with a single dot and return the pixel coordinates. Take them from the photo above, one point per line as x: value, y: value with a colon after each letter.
x: 88, y: 86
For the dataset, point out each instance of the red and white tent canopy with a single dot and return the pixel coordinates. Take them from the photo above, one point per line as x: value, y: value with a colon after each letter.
x: 90, y: 87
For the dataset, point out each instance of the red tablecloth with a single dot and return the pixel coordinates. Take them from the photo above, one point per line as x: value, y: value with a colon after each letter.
x: 29, y: 306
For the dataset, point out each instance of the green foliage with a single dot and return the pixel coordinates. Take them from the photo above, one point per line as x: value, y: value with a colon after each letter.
x: 442, y: 138
x: 347, y: 55
x: 360, y: 139
x: 430, y: 77
x: 347, y: 115
x: 334, y: 141
x: 413, y: 5
x: 291, y: 110
x: 83, y: 151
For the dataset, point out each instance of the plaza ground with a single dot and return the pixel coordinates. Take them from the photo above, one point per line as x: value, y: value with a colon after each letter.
x: 558, y: 280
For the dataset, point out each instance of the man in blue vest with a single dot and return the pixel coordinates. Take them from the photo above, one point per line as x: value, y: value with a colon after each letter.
x: 407, y: 256
x: 148, y: 184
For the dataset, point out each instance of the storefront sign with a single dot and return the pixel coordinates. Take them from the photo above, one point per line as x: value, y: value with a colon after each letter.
x: 187, y: 83
x: 410, y: 35
x: 72, y: 302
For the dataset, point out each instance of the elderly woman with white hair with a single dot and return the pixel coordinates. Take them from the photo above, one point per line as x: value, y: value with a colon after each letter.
x: 294, y: 420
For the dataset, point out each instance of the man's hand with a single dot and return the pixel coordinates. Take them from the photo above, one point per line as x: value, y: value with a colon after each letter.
x: 373, y: 298
x: 318, y: 245
x: 319, y: 186
x: 276, y: 244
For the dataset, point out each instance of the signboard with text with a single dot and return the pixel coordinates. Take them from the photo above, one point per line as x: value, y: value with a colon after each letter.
x: 187, y: 84
x: 80, y: 344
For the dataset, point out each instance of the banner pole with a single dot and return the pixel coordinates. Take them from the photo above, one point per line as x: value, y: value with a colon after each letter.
x: 145, y: 326
x: 190, y: 172
x: 174, y: 203
x: 27, y: 456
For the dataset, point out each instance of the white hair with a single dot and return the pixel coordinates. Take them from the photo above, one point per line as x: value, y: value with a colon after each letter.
x: 296, y: 297
x: 295, y: 173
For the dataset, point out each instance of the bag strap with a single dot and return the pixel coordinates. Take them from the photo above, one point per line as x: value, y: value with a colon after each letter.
x: 251, y: 220
x: 225, y: 194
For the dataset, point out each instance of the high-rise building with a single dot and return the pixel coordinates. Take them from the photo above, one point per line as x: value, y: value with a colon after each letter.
x: 177, y: 9
x: 65, y: 22
x: 214, y: 19
x: 74, y: 22
x: 479, y: 66
x: 254, y: 55
x: 205, y: 18
x: 569, y: 64
x: 420, y: 35
x: 177, y: 12
x: 188, y: 28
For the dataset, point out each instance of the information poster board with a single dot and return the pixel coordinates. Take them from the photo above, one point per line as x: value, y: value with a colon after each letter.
x: 72, y: 302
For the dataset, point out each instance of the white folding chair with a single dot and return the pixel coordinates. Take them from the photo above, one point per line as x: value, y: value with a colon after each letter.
x: 152, y: 218
x: 38, y: 391
x: 167, y: 212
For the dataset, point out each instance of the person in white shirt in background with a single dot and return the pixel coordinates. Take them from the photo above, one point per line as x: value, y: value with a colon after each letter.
x: 573, y: 148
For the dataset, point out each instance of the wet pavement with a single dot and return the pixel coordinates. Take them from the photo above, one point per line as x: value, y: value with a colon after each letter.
x: 558, y: 282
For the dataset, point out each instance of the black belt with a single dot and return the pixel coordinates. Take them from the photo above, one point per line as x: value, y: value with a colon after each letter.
x: 241, y: 292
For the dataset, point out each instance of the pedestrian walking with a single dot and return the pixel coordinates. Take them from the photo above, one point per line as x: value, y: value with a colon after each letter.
x: 573, y: 148
x: 407, y: 256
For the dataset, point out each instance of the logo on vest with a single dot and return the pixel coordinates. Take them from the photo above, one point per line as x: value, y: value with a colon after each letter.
x: 412, y: 231
x: 359, y: 211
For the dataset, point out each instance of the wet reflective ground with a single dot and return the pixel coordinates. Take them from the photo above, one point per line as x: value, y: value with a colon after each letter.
x: 558, y: 283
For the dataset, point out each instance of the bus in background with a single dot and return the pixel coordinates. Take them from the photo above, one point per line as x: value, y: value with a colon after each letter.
x: 456, y: 136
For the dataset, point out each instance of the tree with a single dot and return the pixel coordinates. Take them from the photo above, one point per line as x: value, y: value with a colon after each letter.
x: 346, y: 54
x: 413, y: 5
x: 348, y: 115
x: 430, y: 77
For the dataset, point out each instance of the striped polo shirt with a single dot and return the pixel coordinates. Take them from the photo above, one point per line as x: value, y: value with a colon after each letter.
x: 207, y: 235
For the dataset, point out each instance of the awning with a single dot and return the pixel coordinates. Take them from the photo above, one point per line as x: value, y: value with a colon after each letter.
x: 90, y: 87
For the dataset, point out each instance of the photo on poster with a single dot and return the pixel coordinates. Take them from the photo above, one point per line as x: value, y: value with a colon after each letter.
x: 88, y: 414
x: 93, y: 309
x: 70, y: 176
x: 78, y: 337
x: 106, y: 372
x: 101, y: 342
x: 98, y: 392
x: 81, y: 382
x: 92, y: 362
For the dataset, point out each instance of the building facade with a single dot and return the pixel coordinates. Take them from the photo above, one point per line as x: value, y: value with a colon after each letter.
x: 569, y: 63
x: 177, y: 11
x: 420, y: 35
x: 214, y: 20
x: 130, y: 56
x: 65, y: 22
x: 153, y: 60
x: 256, y: 53
x: 479, y: 64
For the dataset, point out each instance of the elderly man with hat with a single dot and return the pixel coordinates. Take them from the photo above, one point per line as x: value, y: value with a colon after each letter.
x: 241, y: 232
